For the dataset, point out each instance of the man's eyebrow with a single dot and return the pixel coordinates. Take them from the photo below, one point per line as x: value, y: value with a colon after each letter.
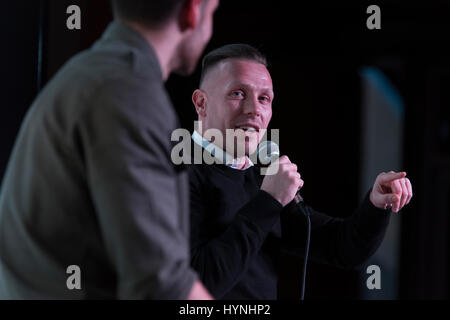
x: 242, y: 84
x: 269, y: 90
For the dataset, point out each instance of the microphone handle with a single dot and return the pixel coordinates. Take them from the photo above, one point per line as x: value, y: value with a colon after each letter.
x: 298, y: 198
x: 301, y: 204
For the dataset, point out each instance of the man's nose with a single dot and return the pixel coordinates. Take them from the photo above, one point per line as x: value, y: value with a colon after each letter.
x: 252, y: 107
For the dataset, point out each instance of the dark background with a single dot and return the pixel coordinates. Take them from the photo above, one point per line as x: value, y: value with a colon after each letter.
x: 316, y: 49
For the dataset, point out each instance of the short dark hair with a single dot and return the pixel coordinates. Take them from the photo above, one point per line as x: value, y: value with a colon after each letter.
x: 150, y: 13
x: 231, y: 51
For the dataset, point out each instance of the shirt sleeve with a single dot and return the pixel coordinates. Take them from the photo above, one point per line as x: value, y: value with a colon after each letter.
x: 124, y: 139
x: 345, y: 243
x: 222, y: 260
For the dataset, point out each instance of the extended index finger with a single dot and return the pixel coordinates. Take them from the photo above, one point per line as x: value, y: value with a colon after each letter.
x: 391, y: 176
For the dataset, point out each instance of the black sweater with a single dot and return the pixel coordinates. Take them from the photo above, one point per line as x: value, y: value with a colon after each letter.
x: 238, y: 230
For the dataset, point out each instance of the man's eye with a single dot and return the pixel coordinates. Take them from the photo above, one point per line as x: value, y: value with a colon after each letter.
x: 237, y: 94
x: 264, y: 99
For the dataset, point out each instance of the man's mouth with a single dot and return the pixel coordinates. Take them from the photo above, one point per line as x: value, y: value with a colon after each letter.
x: 248, y: 128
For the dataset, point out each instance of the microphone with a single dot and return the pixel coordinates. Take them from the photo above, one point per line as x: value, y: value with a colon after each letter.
x: 268, y: 152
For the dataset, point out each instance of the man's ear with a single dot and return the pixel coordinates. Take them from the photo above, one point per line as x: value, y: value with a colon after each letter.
x: 190, y: 14
x: 199, y: 99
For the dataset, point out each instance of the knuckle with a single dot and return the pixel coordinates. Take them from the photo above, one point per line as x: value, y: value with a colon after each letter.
x: 286, y: 171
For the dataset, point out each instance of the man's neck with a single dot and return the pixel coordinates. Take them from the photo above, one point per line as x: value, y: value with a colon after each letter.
x: 243, y: 163
x: 164, y: 42
x: 237, y: 163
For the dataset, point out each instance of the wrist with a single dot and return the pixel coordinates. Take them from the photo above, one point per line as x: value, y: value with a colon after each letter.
x: 372, y: 201
x: 273, y: 195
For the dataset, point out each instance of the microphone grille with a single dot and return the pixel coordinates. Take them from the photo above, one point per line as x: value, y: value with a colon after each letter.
x: 268, y: 151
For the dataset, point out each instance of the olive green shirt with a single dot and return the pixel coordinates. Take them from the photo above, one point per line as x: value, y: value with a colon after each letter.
x: 90, y: 183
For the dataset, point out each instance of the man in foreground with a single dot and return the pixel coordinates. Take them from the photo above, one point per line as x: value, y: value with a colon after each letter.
x: 91, y: 206
x: 240, y: 220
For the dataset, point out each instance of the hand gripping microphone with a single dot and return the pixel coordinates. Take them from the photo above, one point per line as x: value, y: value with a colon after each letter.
x: 268, y: 152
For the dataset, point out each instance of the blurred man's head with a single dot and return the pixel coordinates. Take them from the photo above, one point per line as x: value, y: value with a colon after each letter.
x: 187, y: 24
x: 235, y: 92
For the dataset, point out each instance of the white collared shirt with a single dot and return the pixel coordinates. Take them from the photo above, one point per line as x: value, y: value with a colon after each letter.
x: 219, y: 154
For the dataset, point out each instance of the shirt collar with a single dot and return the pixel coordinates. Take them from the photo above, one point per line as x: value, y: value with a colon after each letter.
x: 219, y: 153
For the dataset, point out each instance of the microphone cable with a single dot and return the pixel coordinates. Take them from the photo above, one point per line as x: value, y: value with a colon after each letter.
x: 305, y: 210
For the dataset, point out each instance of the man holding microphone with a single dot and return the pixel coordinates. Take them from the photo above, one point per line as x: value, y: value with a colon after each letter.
x: 240, y: 220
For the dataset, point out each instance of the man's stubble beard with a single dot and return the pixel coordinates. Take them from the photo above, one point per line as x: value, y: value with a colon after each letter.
x: 189, y: 55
